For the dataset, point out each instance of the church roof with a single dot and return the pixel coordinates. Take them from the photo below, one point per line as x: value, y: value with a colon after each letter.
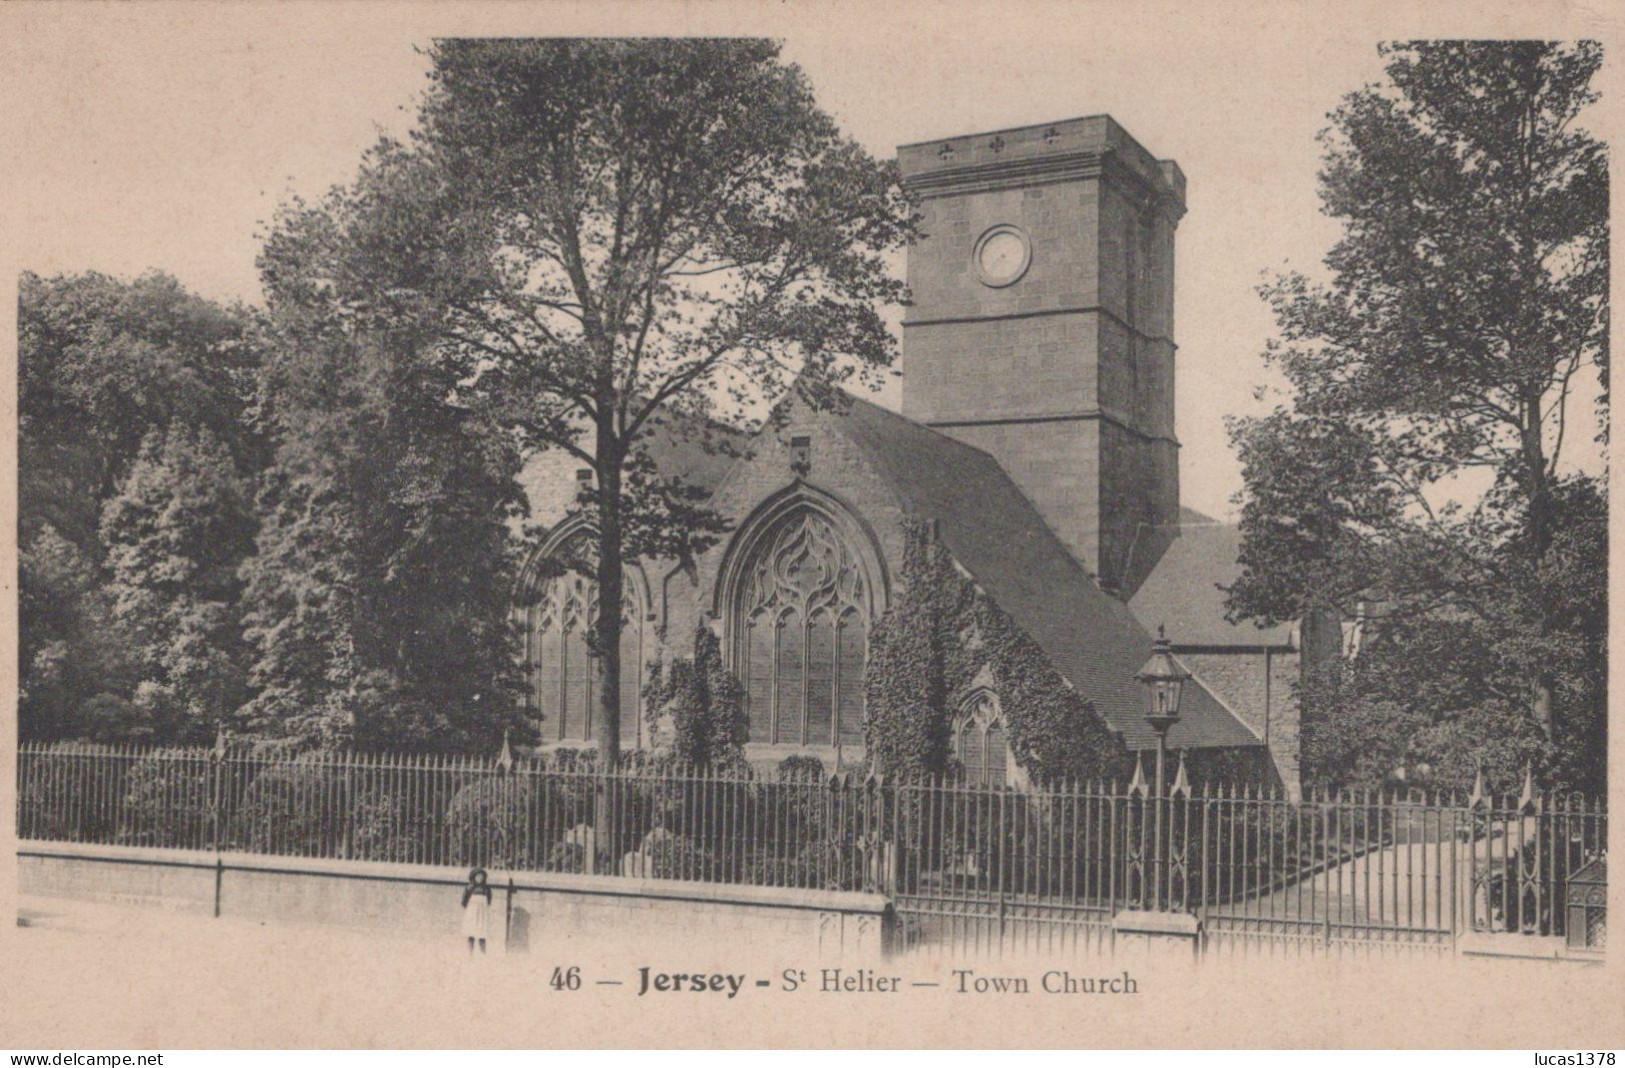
x: 1184, y: 591
x: 997, y: 534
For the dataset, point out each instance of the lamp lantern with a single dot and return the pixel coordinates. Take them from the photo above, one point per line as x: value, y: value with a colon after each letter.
x: 1164, y: 678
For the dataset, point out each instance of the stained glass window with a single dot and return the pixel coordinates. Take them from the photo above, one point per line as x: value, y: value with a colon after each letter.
x: 803, y: 625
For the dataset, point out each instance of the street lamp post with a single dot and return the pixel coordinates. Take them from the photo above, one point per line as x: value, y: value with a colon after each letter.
x: 1164, y: 678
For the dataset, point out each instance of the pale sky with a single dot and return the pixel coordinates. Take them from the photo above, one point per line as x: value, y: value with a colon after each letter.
x: 160, y: 137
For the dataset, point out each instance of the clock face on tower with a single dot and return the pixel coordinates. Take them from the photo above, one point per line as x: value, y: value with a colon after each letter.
x: 1002, y: 255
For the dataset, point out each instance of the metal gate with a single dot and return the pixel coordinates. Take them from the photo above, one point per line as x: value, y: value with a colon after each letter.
x: 995, y: 871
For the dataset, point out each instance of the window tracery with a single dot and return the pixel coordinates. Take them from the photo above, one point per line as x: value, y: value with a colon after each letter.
x: 982, y: 740
x: 801, y: 622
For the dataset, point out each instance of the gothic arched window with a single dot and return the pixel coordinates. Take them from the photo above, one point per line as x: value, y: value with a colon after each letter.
x: 800, y: 601
x: 982, y: 740
x: 559, y: 613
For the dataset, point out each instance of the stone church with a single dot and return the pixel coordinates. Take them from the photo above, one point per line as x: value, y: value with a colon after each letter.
x: 1036, y: 435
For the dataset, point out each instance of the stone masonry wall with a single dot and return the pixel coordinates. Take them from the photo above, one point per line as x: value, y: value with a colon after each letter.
x: 1065, y: 376
x: 422, y: 901
x: 1257, y: 686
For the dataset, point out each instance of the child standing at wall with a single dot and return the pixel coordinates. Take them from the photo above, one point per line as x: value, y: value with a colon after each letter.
x: 476, y: 910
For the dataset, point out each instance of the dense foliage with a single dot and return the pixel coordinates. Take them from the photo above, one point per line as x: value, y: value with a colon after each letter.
x: 611, y: 237
x: 379, y: 594
x: 132, y: 448
x: 301, y: 523
x: 176, y: 534
x: 939, y: 636
x: 1420, y: 469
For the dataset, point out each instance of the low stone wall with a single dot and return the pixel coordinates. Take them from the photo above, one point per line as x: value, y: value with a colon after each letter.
x: 421, y: 900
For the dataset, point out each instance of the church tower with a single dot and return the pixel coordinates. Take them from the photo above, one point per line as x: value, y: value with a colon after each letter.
x: 1042, y: 325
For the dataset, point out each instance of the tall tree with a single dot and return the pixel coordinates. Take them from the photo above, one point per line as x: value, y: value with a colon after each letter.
x: 74, y: 668
x: 176, y: 533
x: 102, y: 365
x: 1438, y: 380
x: 377, y: 600
x: 609, y: 236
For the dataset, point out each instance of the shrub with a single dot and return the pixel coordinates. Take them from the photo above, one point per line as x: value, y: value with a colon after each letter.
x: 671, y: 856
x: 383, y: 830
x: 297, y: 808
x: 166, y: 803
x: 572, y: 792
x: 801, y: 768
x: 822, y: 866
x: 489, y: 823
x: 567, y: 857
x: 53, y: 792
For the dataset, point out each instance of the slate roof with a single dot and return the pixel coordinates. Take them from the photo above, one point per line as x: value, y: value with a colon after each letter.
x: 1183, y: 590
x: 997, y: 534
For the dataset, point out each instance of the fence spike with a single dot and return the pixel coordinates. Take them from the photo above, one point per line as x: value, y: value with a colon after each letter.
x: 1526, y: 799
x: 1476, y: 798
x: 1182, y: 784
x: 1137, y: 785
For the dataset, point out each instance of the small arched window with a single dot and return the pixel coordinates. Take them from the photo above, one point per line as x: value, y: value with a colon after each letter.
x: 982, y: 740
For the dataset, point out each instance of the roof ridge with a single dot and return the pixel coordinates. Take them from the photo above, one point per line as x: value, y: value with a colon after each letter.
x: 927, y: 427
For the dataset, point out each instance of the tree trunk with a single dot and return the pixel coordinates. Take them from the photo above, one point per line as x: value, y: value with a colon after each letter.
x: 1540, y: 543
x: 1320, y: 636
x: 610, y: 584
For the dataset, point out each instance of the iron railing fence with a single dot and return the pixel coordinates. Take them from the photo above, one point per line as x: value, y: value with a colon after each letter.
x: 965, y: 864
x: 559, y: 813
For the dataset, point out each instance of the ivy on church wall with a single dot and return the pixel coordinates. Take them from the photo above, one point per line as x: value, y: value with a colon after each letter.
x: 906, y: 724
x: 700, y: 704
x: 941, y: 635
